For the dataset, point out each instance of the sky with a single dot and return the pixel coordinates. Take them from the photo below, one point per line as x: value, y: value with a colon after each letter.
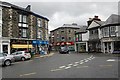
x: 61, y: 12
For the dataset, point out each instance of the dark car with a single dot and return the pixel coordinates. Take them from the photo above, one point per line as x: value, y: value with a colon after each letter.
x: 64, y: 49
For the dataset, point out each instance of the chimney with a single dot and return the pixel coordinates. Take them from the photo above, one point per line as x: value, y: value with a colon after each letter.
x: 96, y: 17
x: 28, y: 8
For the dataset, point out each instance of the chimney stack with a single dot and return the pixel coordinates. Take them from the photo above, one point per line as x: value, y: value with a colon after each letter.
x: 28, y: 7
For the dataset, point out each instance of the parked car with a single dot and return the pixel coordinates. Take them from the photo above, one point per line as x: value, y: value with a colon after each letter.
x: 6, y: 59
x: 21, y: 55
x: 64, y: 49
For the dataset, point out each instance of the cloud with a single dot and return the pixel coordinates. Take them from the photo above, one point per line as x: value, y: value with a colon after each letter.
x: 67, y: 12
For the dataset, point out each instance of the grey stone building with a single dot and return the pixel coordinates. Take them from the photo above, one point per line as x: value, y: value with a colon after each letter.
x: 19, y: 27
x: 64, y: 35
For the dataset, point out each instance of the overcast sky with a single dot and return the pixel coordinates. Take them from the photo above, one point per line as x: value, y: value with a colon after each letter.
x: 70, y: 11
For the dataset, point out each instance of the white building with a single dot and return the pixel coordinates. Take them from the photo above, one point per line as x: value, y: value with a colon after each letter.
x: 111, y: 34
x: 81, y: 40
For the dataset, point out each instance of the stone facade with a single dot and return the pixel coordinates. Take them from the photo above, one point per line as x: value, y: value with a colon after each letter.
x: 14, y: 30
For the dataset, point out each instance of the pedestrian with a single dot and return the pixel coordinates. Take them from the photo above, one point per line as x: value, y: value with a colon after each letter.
x: 49, y: 49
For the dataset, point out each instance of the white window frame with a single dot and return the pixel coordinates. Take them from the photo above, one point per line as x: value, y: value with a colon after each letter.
x: 46, y: 24
x: 112, y: 30
x: 106, y: 31
x: 20, y: 17
x: 24, y: 33
x: 24, y: 18
x: 39, y: 23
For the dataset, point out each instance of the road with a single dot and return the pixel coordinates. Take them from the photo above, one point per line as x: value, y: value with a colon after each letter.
x: 73, y: 65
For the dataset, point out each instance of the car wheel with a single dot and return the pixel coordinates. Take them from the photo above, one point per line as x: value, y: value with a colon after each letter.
x: 23, y: 59
x: 7, y: 63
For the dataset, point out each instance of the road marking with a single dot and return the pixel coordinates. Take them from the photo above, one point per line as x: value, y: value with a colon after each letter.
x: 75, y: 65
x: 111, y: 60
x: 105, y: 65
x: 76, y: 62
x: 86, y: 60
x: 82, y: 67
x: 81, y: 62
x: 28, y: 74
x: 55, y: 70
x: 70, y: 64
x: 68, y: 67
x: 61, y: 66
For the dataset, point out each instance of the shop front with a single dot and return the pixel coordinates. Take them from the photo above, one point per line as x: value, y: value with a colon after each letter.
x: 20, y: 45
x: 82, y: 46
x: 5, y: 45
x: 40, y: 45
x: 70, y: 45
x: 111, y: 45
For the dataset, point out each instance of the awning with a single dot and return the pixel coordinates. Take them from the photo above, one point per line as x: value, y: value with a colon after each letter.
x: 22, y: 46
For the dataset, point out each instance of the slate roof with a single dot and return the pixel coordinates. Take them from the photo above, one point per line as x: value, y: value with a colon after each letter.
x: 113, y: 19
x: 95, y: 24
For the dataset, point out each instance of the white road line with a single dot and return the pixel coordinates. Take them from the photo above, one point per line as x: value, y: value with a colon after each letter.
x: 76, y: 62
x: 27, y: 74
x: 61, y: 66
x: 55, y: 70
x: 86, y: 61
x: 81, y: 62
x: 68, y: 67
x: 111, y: 60
x: 70, y: 64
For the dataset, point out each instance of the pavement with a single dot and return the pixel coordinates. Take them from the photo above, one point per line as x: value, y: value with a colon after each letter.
x: 44, y: 55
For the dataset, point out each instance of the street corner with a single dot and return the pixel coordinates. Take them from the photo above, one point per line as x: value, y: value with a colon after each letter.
x: 45, y: 55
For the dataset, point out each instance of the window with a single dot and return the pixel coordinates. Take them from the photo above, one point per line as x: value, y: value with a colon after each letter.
x: 24, y: 33
x: 40, y: 34
x: 39, y: 23
x: 46, y: 24
x: 62, y: 31
x: 80, y: 37
x: 20, y: 18
x: 76, y: 37
x: 57, y: 32
x: 112, y: 30
x: 24, y: 18
x: 106, y: 32
x: 63, y: 38
x: 69, y: 31
x: 69, y: 38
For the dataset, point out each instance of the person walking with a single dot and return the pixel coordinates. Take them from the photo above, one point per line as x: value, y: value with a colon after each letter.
x: 49, y: 49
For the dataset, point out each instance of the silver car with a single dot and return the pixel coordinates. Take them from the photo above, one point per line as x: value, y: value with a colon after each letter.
x: 21, y: 55
x: 6, y: 59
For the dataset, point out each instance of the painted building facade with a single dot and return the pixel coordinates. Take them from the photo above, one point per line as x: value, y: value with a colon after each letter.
x: 111, y: 34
